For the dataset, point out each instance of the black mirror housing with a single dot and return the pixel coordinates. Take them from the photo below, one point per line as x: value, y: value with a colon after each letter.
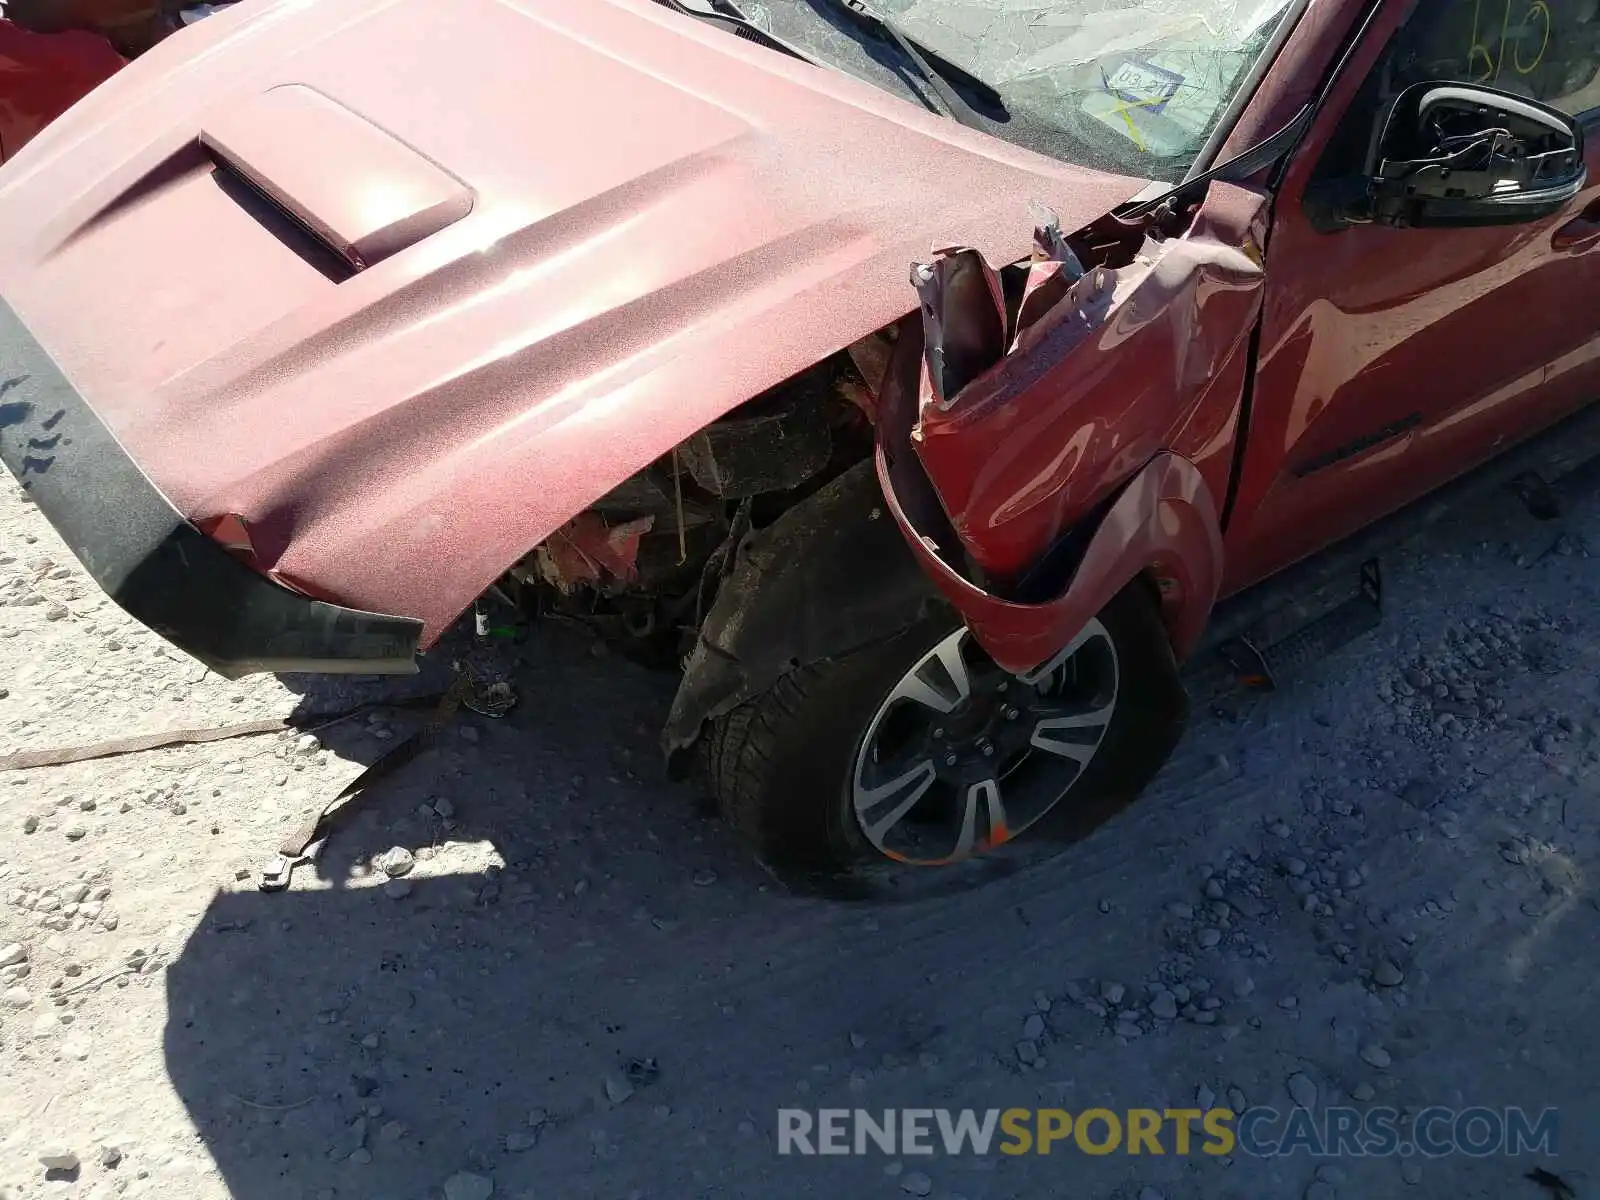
x: 1455, y: 154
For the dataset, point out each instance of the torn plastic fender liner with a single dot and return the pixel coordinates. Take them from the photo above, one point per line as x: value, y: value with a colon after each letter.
x: 829, y: 576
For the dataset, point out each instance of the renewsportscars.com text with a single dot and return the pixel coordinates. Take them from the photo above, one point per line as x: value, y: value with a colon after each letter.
x: 1262, y: 1132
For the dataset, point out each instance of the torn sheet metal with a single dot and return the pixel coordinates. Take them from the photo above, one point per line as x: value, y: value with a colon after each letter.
x: 1095, y: 446
x: 966, y: 328
x: 588, y: 551
x: 1030, y: 414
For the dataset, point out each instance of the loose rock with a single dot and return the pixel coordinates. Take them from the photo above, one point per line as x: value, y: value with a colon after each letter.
x: 617, y: 1089
x: 917, y: 1184
x: 1376, y: 1056
x: 395, y: 862
x: 14, y: 953
x: 59, y: 1158
x: 466, y: 1186
x: 1386, y: 974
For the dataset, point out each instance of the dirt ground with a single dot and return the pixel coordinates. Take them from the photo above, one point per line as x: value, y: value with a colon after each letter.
x: 1372, y: 884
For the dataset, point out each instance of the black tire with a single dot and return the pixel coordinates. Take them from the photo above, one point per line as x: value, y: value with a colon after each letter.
x: 779, y: 765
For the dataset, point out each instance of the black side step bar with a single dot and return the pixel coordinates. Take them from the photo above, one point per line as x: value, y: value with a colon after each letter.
x: 1257, y: 637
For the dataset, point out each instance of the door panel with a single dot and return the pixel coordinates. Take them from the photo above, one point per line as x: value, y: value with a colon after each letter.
x: 1394, y: 359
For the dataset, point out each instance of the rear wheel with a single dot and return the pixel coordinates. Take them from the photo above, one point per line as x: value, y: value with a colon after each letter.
x: 917, y: 761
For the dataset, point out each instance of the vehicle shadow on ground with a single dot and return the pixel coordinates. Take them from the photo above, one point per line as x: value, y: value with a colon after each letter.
x: 577, y: 939
x: 589, y: 990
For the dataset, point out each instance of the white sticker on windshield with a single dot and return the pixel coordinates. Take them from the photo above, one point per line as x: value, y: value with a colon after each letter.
x: 1144, y: 84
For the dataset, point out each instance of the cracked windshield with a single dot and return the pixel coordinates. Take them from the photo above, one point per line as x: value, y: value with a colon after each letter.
x: 1126, y: 87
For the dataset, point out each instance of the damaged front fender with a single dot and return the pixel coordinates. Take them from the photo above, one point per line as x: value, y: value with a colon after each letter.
x: 1163, y: 524
x: 1043, y: 388
x: 1048, y: 433
x: 1041, y: 441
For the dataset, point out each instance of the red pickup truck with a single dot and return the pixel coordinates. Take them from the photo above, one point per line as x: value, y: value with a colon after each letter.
x: 325, y: 320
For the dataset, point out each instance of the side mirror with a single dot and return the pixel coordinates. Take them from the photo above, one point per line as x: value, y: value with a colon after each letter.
x: 1454, y: 154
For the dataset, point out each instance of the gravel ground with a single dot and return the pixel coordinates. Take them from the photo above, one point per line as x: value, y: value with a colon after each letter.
x: 534, y: 968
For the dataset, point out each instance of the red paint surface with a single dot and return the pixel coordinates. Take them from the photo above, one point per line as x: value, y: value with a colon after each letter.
x: 711, y: 219
x: 1164, y: 522
x: 44, y: 74
x: 364, y: 194
x: 1482, y: 336
x: 1138, y: 360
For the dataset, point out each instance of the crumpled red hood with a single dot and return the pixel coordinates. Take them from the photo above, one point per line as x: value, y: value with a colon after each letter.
x: 663, y: 222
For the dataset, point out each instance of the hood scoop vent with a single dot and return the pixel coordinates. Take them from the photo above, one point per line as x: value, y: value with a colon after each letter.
x: 358, y: 191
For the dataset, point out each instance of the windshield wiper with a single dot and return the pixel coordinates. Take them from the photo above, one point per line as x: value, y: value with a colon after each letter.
x: 725, y: 15
x: 949, y: 101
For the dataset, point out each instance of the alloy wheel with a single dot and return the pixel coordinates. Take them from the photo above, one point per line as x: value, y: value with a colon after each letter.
x: 962, y: 756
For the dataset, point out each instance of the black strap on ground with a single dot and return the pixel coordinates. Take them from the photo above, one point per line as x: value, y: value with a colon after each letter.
x: 303, y: 842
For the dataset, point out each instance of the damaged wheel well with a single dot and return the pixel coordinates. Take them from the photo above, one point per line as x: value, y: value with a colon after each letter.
x: 831, y: 575
x: 642, y: 566
x: 769, y: 540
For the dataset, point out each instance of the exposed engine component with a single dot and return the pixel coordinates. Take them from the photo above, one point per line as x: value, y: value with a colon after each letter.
x: 643, y: 563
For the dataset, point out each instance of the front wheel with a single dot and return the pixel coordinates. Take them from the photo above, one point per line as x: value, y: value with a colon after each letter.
x: 918, y: 756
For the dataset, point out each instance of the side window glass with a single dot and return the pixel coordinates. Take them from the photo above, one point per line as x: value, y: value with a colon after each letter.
x: 1547, y: 50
